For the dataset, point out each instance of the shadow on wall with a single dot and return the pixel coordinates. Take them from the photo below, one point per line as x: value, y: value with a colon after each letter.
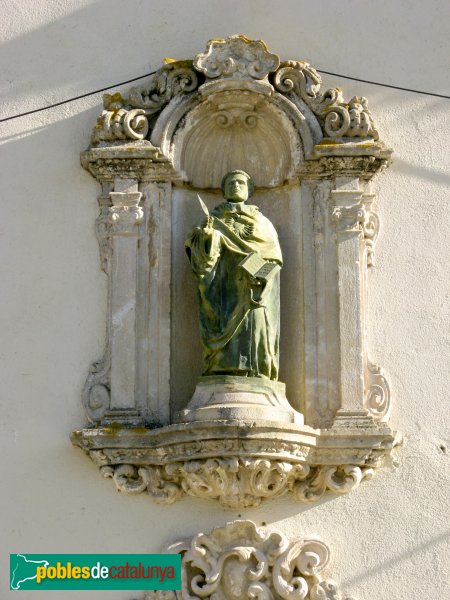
x: 95, y: 46
x: 48, y: 154
x: 436, y: 176
x: 394, y: 560
x: 101, y: 43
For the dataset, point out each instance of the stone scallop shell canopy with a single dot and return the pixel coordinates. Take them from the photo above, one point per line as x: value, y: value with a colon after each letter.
x: 238, y: 132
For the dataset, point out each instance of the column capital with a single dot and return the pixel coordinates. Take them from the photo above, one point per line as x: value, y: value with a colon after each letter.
x: 349, y: 218
x: 125, y: 213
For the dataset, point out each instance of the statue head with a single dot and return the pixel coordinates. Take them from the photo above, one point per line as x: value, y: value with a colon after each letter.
x: 237, y: 186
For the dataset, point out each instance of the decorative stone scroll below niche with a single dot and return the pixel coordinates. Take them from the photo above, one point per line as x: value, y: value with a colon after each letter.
x: 241, y: 560
x: 312, y: 155
x: 239, y: 464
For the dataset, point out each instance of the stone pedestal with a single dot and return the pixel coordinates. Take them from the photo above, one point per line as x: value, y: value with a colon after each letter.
x: 232, y: 397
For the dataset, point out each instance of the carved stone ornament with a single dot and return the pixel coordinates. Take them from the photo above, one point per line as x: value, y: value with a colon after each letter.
x: 239, y: 464
x: 241, y: 560
x: 241, y: 74
x: 237, y: 57
x: 311, y: 155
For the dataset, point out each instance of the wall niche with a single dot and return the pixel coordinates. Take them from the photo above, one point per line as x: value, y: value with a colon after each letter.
x: 312, y: 156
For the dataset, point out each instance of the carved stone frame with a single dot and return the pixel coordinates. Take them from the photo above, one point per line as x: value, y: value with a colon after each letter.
x: 176, y: 134
x: 241, y: 560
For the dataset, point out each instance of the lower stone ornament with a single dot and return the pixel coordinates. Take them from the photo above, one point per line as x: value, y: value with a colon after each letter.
x: 237, y: 463
x: 241, y: 560
x: 236, y: 482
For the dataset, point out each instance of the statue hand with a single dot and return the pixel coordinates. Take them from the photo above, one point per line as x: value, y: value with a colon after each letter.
x: 255, y: 281
x: 208, y: 227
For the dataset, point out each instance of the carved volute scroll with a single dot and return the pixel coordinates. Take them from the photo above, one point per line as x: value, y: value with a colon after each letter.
x: 312, y: 155
x: 241, y: 560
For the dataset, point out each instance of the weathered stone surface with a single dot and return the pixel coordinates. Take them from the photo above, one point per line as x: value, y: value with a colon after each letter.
x: 227, y: 397
x: 238, y: 463
x: 132, y: 160
x: 241, y: 560
x: 236, y: 57
x: 238, y: 88
x: 313, y: 156
x: 238, y: 129
x: 235, y: 256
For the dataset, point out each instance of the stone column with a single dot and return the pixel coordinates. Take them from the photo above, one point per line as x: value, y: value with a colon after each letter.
x: 130, y: 383
x: 320, y: 305
x: 154, y: 304
x: 125, y: 216
x: 349, y: 215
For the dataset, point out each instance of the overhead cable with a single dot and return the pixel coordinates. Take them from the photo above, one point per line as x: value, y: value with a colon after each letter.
x: 386, y: 85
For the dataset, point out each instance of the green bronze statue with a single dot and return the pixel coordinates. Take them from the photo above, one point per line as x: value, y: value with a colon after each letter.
x: 236, y: 258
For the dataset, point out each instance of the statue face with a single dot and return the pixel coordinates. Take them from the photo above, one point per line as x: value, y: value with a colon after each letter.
x: 236, y: 188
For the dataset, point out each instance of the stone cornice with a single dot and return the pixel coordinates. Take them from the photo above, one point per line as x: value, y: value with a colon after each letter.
x: 256, y: 461
x: 133, y: 160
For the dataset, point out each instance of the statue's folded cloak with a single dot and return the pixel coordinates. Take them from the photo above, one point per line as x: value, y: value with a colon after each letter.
x: 239, y: 313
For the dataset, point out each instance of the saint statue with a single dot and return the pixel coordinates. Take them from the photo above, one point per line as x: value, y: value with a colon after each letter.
x: 236, y: 258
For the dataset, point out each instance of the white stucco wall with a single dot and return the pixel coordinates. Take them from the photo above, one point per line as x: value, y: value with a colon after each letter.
x: 389, y: 537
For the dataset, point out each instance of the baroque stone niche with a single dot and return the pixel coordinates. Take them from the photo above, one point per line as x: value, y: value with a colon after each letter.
x: 312, y: 156
x: 241, y: 560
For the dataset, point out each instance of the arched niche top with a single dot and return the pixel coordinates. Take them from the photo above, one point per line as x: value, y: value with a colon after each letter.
x: 238, y: 105
x: 237, y: 130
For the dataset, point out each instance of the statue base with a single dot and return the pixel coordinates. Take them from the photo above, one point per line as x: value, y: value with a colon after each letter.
x: 225, y: 397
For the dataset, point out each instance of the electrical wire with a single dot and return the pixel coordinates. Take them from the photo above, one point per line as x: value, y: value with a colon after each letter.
x: 386, y: 85
x: 30, y: 112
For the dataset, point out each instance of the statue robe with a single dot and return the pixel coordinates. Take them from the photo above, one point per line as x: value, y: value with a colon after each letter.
x: 239, y: 313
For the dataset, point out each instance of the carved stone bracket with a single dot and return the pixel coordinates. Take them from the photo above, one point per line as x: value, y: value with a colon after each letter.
x: 360, y: 218
x: 241, y: 560
x: 237, y: 463
x: 237, y: 483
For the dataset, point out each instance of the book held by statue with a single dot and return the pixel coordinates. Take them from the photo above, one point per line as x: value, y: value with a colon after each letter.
x: 258, y: 267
